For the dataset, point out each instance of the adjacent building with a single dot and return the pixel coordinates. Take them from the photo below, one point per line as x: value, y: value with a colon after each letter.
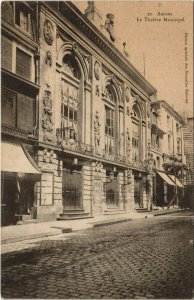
x: 167, y: 153
x: 189, y: 153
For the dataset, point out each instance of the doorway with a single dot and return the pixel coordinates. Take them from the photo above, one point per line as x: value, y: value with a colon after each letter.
x: 71, y: 188
x: 138, y: 192
x: 112, y: 197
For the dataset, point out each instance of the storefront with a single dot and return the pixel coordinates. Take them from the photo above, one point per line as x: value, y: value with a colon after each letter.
x: 18, y: 178
x: 168, y: 190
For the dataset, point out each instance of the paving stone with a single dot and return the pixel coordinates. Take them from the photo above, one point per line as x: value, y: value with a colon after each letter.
x: 105, y: 263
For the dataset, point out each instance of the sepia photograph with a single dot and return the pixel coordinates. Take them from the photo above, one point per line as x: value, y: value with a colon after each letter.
x: 97, y: 150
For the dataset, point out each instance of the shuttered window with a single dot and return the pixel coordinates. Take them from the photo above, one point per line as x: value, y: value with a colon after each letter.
x: 18, y: 110
x: 23, y: 64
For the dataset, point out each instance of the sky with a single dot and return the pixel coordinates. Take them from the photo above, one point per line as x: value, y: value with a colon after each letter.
x: 164, y: 49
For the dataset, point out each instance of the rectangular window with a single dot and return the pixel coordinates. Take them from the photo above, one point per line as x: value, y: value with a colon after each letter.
x: 23, y: 64
x: 18, y: 110
x: 178, y: 147
x: 25, y: 112
x: 169, y: 143
x: 23, y: 16
x: 8, y: 113
x: 109, y: 122
x: 109, y: 130
x: 65, y: 111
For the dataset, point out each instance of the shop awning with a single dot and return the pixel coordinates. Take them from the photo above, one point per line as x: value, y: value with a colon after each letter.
x: 176, y: 181
x: 16, y: 159
x: 165, y: 177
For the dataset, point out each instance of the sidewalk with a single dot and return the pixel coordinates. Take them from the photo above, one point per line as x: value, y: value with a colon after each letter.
x: 17, y: 233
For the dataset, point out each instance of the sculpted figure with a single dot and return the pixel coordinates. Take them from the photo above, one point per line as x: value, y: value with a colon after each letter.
x: 97, y: 130
x: 109, y: 25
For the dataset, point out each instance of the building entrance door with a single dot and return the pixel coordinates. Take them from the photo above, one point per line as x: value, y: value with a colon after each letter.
x: 71, y: 188
x: 112, y: 199
x: 137, y: 192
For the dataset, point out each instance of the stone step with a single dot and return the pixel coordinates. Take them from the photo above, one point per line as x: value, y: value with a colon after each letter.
x: 113, y: 211
x: 73, y: 216
x: 141, y: 209
x: 32, y: 221
x: 73, y: 211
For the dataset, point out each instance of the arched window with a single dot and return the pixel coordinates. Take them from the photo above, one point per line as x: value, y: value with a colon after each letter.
x: 70, y: 98
x: 136, y: 134
x: 110, y: 119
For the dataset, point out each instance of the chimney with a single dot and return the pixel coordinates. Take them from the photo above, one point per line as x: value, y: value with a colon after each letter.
x: 92, y: 13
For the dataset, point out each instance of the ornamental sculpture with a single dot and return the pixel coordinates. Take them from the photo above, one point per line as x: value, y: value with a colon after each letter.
x: 48, y: 32
x: 47, y: 116
x: 127, y: 95
x: 128, y: 143
x: 109, y: 26
x: 97, y: 90
x: 97, y: 70
x: 97, y: 130
x: 48, y: 59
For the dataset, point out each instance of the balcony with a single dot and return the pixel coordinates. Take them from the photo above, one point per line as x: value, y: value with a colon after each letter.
x: 137, y: 164
x: 172, y: 161
x: 18, y: 113
x: 73, y: 145
x: 113, y: 156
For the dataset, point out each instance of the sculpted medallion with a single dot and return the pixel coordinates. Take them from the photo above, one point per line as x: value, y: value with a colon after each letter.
x: 48, y: 32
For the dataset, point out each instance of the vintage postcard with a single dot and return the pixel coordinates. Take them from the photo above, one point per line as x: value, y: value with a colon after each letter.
x: 97, y: 164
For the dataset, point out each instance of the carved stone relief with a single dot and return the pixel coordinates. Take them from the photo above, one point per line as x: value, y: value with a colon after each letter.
x: 48, y: 59
x: 128, y: 111
x: 98, y: 167
x: 48, y: 156
x: 148, y: 110
x: 128, y: 175
x: 127, y: 95
x: 47, y: 115
x: 48, y: 32
x: 97, y: 90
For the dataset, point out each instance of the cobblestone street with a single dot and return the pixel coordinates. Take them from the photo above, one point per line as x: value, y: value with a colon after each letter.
x: 150, y: 258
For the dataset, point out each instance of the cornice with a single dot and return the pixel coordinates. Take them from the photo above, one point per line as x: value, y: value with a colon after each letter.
x: 17, y: 35
x: 72, y: 13
x: 13, y: 80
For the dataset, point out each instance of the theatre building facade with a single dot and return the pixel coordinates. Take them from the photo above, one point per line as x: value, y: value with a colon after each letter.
x: 81, y: 121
